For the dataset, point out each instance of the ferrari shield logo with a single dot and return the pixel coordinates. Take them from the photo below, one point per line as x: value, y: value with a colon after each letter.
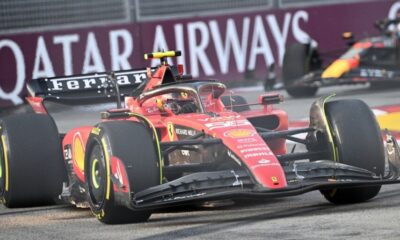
x: 170, y: 127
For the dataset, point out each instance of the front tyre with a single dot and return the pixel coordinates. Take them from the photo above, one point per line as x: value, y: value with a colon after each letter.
x: 359, y: 143
x: 132, y: 143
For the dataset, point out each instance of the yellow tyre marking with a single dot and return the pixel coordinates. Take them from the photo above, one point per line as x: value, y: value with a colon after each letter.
x: 329, y: 131
x: 5, y: 150
x: 103, y: 141
x: 94, y: 175
x: 1, y: 165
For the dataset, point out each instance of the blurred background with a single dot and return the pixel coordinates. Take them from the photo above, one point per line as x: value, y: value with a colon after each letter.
x: 232, y: 40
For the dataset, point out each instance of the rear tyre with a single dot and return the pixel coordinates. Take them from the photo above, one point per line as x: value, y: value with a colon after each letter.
x: 235, y: 100
x: 358, y: 139
x: 31, y: 165
x: 133, y: 144
x: 297, y: 62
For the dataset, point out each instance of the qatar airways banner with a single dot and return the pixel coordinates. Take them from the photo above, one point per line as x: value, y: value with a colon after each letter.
x: 223, y: 47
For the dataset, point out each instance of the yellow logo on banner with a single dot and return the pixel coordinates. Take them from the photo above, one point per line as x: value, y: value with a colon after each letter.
x: 170, y: 127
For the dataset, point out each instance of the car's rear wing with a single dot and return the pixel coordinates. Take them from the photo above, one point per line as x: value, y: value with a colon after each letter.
x: 88, y: 87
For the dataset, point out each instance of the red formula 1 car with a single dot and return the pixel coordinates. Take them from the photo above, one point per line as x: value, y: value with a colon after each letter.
x: 374, y: 60
x: 180, y: 141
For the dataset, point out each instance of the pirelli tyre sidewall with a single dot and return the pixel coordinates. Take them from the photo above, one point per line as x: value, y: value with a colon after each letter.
x: 3, y: 170
x: 32, y: 168
x: 132, y: 143
x: 358, y: 142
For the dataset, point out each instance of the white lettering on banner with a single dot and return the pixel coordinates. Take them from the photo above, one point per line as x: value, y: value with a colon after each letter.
x: 42, y: 58
x: 231, y: 42
x: 260, y: 45
x: 66, y: 42
x: 393, y: 11
x: 280, y: 37
x: 120, y: 59
x: 299, y: 34
x: 92, y: 53
x: 180, y: 44
x: 197, y: 50
x: 13, y: 95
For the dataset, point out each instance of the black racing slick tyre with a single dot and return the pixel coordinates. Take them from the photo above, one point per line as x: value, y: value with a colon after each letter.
x: 133, y: 144
x: 31, y: 165
x: 359, y: 143
x: 239, y: 101
x: 297, y: 62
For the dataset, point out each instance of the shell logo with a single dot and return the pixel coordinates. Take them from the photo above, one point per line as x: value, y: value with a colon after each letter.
x: 78, y: 153
x: 274, y: 180
x: 240, y: 133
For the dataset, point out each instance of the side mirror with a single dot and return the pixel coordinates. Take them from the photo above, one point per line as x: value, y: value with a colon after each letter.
x: 270, y: 98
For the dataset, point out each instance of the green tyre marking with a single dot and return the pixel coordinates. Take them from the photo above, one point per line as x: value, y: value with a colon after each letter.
x: 95, y: 174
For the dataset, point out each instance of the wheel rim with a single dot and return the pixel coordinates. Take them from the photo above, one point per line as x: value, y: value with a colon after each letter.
x: 97, y: 178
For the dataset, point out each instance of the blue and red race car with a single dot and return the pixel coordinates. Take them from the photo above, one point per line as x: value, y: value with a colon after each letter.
x: 373, y: 60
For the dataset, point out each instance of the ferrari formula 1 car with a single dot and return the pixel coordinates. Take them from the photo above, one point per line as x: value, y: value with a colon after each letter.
x: 179, y: 141
x: 374, y: 60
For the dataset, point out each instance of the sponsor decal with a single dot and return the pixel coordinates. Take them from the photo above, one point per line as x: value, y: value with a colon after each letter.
x: 170, y: 129
x: 251, y: 145
x: 67, y: 152
x: 185, y: 153
x: 256, y: 149
x: 256, y: 154
x: 376, y: 73
x: 185, y: 131
x: 218, y: 119
x: 152, y: 110
x: 225, y: 124
x: 264, y: 161
x: 78, y: 151
x: 95, y: 81
x: 239, y: 133
x: 246, y: 140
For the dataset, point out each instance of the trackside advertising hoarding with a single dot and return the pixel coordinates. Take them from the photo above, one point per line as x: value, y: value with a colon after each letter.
x: 220, y: 47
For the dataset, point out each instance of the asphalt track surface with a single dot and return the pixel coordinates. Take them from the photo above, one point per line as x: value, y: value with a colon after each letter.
x: 307, y: 216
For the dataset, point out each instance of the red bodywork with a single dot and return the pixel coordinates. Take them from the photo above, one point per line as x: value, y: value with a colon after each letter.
x: 237, y: 133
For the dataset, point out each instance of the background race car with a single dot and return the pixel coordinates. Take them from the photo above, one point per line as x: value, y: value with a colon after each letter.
x: 373, y: 60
